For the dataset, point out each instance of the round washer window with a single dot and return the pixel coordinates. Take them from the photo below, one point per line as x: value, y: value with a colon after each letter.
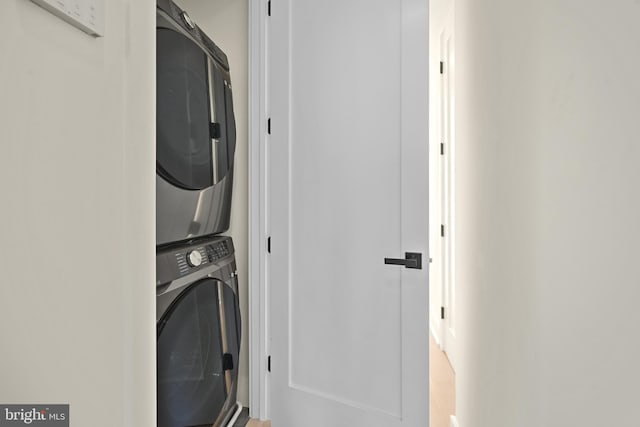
x: 191, y: 382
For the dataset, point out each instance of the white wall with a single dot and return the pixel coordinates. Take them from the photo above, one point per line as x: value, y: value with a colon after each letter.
x: 77, y: 123
x: 226, y: 22
x: 548, y: 103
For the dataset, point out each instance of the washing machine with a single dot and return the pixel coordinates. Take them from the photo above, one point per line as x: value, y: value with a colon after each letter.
x: 195, y: 128
x: 198, y: 334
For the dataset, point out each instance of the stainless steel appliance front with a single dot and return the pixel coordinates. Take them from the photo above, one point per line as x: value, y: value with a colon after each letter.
x: 198, y: 332
x: 196, y: 133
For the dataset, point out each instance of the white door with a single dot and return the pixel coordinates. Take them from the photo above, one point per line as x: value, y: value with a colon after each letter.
x: 447, y: 192
x: 347, y: 188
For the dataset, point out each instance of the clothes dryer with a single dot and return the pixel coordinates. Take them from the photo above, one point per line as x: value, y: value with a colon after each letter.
x: 195, y: 126
x: 198, y: 332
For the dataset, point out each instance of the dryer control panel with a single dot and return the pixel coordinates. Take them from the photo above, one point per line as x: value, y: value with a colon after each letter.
x: 173, y: 263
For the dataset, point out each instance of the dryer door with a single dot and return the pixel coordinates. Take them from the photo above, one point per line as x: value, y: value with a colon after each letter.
x: 196, y: 367
x: 183, y: 125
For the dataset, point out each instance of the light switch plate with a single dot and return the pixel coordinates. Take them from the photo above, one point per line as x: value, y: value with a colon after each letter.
x: 87, y: 15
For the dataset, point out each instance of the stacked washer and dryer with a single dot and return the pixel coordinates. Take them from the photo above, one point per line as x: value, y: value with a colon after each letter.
x: 198, y: 316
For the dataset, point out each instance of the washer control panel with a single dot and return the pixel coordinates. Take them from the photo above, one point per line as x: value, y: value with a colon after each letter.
x: 174, y: 263
x: 195, y: 258
x: 191, y: 259
x: 217, y: 251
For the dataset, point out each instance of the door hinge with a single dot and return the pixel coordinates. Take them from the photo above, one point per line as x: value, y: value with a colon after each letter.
x: 442, y: 312
x: 269, y: 244
x: 442, y: 230
x: 269, y: 125
x: 269, y: 8
x: 268, y: 363
x: 442, y: 148
x: 441, y: 67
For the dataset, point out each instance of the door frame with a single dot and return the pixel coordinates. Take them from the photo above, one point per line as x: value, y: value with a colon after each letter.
x: 446, y: 176
x: 257, y: 219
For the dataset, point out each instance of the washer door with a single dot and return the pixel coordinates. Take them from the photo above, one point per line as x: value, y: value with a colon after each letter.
x: 196, y: 372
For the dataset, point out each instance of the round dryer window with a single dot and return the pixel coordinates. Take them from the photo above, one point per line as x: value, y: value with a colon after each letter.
x: 184, y: 150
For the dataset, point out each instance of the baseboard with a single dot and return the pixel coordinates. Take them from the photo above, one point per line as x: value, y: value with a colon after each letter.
x: 453, y: 421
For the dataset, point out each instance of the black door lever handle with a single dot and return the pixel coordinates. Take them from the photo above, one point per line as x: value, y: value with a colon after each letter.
x: 411, y: 260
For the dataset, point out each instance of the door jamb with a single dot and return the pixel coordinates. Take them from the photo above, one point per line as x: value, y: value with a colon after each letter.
x: 258, y: 225
x: 449, y: 271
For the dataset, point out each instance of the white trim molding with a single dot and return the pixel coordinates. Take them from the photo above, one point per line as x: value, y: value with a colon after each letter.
x: 258, y: 225
x: 435, y: 334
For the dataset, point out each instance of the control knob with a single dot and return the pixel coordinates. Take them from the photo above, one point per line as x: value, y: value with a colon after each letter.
x: 194, y: 258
